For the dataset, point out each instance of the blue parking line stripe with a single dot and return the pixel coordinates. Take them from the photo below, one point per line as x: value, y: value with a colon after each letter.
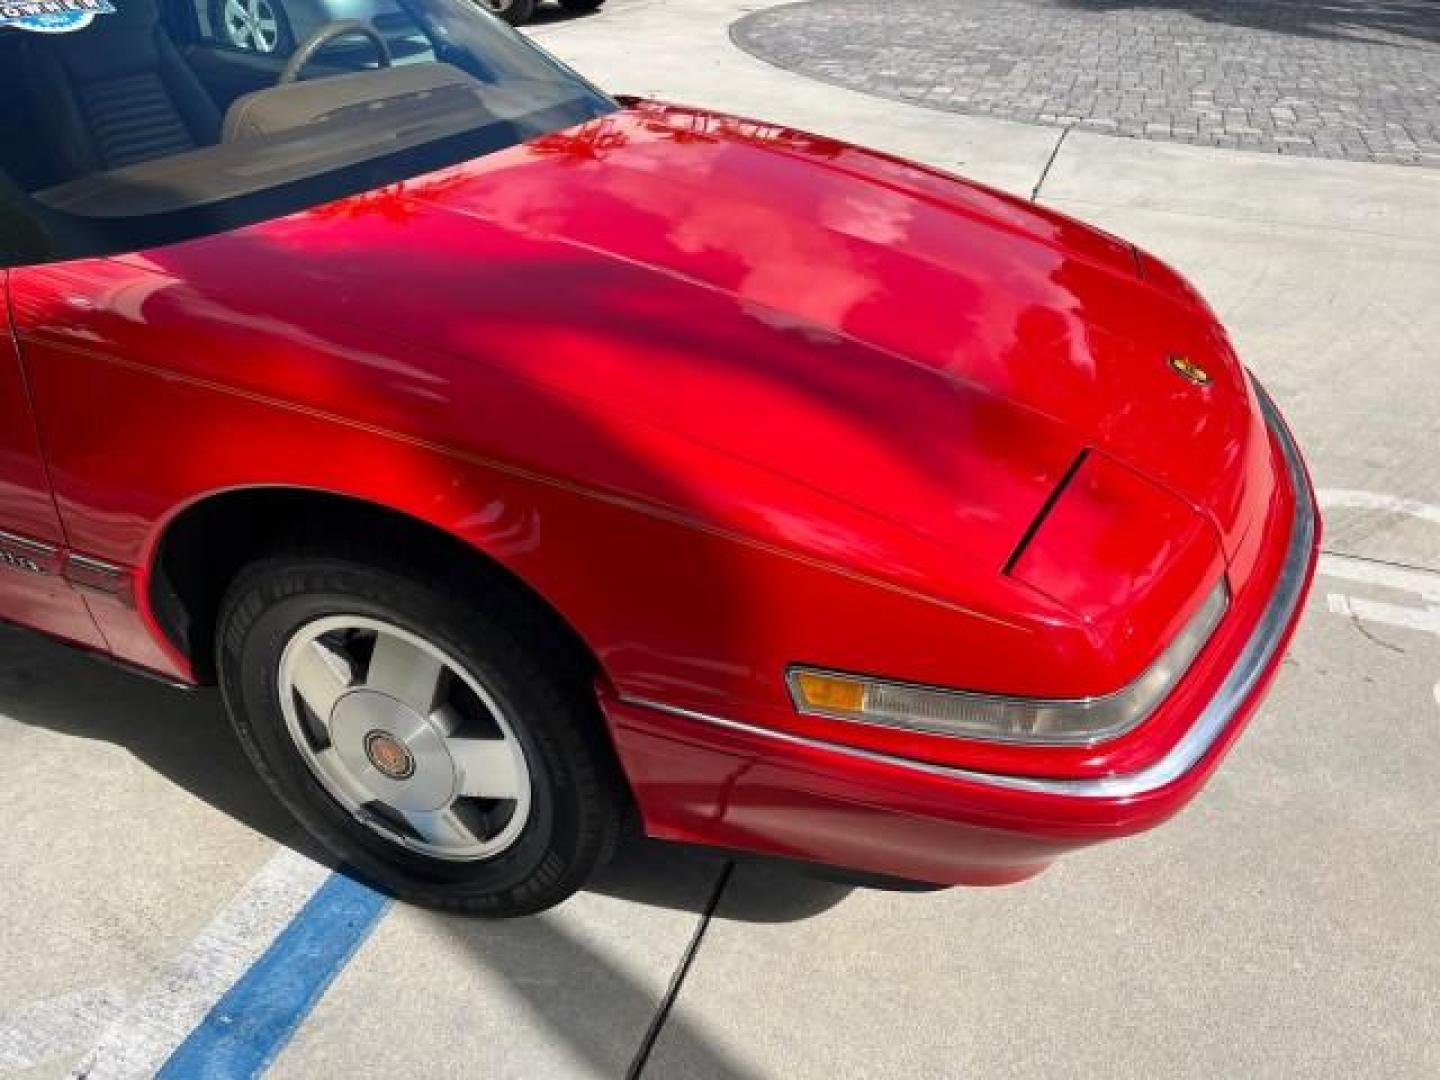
x: 257, y: 1017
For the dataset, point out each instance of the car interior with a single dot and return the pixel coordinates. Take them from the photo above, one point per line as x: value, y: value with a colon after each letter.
x: 139, y: 114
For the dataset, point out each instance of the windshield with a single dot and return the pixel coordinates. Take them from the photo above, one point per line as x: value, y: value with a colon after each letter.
x: 132, y: 123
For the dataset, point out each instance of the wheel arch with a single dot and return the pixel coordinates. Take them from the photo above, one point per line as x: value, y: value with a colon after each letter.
x: 198, y: 550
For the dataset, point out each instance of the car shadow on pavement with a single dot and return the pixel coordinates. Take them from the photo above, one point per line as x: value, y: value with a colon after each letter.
x: 183, y: 736
x: 661, y: 874
x: 186, y: 738
x: 588, y: 1002
x: 603, y: 1015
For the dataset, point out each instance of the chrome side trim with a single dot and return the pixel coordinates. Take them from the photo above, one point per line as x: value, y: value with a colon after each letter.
x: 84, y: 572
x: 1249, y: 668
x: 96, y: 566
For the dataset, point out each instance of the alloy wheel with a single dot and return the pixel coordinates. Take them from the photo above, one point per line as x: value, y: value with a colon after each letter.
x: 404, y: 738
x: 252, y: 25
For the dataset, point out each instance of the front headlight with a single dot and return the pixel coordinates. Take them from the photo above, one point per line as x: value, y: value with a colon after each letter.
x: 966, y: 715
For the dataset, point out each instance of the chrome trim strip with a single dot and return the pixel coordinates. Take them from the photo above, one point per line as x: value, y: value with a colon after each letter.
x: 95, y: 566
x: 1189, y: 751
x: 29, y: 546
x: 93, y: 575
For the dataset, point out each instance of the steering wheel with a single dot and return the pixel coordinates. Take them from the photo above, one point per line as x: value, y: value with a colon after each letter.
x: 324, y: 36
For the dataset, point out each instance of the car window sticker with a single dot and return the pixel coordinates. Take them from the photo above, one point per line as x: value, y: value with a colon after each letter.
x: 52, y: 16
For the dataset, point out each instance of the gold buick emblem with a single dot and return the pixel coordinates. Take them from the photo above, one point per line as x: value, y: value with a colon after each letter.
x: 1190, y: 371
x: 389, y: 755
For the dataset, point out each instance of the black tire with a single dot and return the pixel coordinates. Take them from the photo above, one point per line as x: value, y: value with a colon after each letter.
x: 284, y: 40
x: 582, y: 5
x: 576, y: 801
x: 514, y: 12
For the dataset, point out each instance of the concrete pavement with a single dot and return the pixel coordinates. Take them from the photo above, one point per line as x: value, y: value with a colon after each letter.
x: 1282, y: 926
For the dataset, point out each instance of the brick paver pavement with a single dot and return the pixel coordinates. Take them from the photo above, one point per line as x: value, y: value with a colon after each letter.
x: 1356, y: 79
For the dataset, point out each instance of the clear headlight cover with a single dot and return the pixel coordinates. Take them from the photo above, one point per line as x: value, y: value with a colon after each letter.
x: 1042, y: 721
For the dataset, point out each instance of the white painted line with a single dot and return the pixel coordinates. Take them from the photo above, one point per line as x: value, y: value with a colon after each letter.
x: 1426, y: 620
x: 140, y: 1039
x: 1425, y: 583
x: 55, y: 1029
x: 1422, y: 583
x: 1349, y: 499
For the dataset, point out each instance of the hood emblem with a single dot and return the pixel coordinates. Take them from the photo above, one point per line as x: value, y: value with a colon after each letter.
x: 1190, y: 371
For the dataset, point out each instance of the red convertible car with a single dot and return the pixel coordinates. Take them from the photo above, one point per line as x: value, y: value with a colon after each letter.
x: 519, y: 460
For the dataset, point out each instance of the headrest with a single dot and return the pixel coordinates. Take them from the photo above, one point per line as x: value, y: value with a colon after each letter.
x: 113, y: 44
x: 130, y: 16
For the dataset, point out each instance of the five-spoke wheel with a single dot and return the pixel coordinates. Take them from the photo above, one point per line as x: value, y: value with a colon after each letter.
x: 404, y: 738
x: 425, y: 722
x: 252, y: 25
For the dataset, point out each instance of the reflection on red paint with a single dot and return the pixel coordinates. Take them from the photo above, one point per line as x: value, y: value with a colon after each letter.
x: 730, y: 397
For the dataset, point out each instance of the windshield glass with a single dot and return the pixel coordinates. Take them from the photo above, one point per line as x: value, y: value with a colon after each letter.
x: 131, y: 123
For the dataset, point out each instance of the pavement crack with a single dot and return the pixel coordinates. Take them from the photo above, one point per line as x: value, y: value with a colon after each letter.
x: 1373, y: 637
x: 1395, y: 563
x: 1054, y: 153
x: 677, y: 981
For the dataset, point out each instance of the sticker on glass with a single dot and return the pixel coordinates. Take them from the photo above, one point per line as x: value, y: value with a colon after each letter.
x: 52, y: 16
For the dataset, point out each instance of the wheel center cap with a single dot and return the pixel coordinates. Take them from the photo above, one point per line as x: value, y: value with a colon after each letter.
x: 396, y: 755
x: 389, y: 755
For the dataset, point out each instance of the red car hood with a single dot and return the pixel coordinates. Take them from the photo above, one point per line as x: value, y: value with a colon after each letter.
x: 1046, y: 335
x: 871, y: 348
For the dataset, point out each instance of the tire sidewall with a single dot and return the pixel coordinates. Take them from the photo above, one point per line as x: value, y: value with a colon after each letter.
x: 269, y: 604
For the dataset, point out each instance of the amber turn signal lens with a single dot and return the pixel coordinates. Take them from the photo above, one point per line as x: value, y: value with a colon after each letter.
x: 965, y: 714
x: 830, y: 692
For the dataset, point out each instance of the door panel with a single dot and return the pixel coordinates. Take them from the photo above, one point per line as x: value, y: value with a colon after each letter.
x: 32, y: 592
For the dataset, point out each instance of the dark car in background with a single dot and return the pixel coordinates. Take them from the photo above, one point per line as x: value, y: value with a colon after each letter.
x: 518, y: 12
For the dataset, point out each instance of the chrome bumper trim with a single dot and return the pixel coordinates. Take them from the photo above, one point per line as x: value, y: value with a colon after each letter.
x: 1237, y: 688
